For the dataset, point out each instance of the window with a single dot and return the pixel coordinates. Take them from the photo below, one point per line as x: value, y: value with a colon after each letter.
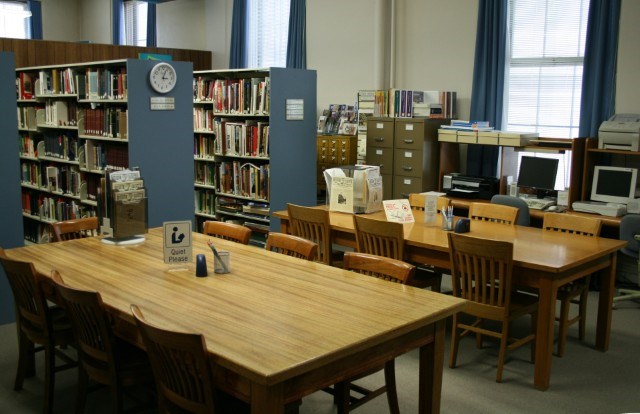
x: 14, y: 22
x: 267, y: 32
x: 543, y: 76
x: 135, y: 23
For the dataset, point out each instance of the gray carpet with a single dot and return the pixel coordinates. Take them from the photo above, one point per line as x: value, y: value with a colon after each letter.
x: 583, y: 381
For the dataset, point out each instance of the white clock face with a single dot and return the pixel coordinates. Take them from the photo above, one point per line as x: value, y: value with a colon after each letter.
x: 163, y: 77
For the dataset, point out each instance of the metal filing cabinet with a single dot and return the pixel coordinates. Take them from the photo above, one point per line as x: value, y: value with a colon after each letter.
x: 334, y: 151
x: 380, y: 132
x: 407, y: 151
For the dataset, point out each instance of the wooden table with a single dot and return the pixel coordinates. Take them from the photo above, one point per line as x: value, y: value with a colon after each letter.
x: 542, y: 260
x: 279, y: 327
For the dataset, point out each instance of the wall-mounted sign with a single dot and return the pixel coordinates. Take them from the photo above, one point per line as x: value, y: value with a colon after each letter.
x: 163, y: 103
x: 295, y: 110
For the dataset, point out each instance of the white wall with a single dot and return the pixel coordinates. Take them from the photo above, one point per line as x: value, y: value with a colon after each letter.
x: 434, y: 47
x: 628, y: 76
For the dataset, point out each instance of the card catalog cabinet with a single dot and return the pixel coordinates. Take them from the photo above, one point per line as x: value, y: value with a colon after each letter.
x: 334, y: 151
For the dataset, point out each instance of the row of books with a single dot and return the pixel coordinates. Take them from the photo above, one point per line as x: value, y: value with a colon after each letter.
x: 60, y: 113
x: 248, y: 139
x: 202, y: 119
x: 55, y: 81
x: 246, y: 180
x: 249, y: 209
x: 338, y: 119
x: 50, y: 208
x: 63, y: 179
x: 105, y: 122
x: 205, y: 173
x: 63, y: 146
x: 28, y: 145
x: 102, y: 156
x: 102, y: 84
x: 234, y: 96
x: 27, y: 116
x: 205, y: 201
x: 204, y: 146
x: 406, y: 103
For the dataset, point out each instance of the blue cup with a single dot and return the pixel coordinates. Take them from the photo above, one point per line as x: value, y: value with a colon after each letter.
x: 201, y: 265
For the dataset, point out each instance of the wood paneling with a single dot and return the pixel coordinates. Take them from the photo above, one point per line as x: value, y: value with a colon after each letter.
x: 44, y: 52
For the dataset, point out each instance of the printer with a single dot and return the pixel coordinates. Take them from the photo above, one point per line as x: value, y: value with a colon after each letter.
x: 466, y: 186
x: 620, y: 132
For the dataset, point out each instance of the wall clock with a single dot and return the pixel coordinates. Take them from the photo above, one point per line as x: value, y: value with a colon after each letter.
x: 163, y: 77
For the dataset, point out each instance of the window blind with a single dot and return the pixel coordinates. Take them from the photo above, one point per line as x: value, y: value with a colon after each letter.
x: 135, y: 23
x: 13, y: 20
x: 268, y: 29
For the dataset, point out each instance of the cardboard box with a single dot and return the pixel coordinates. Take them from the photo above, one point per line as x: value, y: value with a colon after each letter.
x: 488, y: 137
x: 515, y: 139
x: 448, y: 135
x: 468, y: 137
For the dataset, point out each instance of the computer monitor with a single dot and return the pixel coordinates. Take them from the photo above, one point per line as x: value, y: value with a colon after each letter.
x: 613, y: 184
x: 538, y: 173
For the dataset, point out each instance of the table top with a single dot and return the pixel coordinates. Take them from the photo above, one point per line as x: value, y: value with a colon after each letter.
x: 533, y: 248
x: 270, y: 319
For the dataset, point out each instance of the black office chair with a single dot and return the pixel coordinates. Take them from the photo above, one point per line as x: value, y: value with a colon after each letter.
x: 524, y: 219
x: 630, y: 231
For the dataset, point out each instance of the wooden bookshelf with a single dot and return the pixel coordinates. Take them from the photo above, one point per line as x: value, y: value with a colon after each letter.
x: 249, y: 158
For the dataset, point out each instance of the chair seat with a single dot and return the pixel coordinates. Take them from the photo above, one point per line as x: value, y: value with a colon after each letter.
x: 522, y: 304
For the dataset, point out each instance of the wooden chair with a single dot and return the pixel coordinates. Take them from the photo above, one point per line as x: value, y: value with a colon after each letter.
x: 496, y: 213
x: 181, y: 368
x: 291, y: 245
x: 481, y: 272
x: 576, y: 292
x: 104, y: 358
x: 394, y: 271
x: 383, y: 238
x: 38, y: 324
x: 416, y: 201
x: 227, y: 231
x: 313, y: 224
x: 75, y: 229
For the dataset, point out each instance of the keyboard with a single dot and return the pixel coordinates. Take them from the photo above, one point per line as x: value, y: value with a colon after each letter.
x: 538, y: 203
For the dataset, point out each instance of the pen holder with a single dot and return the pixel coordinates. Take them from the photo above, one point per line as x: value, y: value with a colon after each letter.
x: 447, y: 223
x: 201, y: 265
x: 223, y: 265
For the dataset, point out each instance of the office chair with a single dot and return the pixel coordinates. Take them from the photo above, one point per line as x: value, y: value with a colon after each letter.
x: 524, y: 218
x: 630, y: 231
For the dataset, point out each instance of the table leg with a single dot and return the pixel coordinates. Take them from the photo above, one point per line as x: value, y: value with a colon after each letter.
x: 605, y: 304
x: 544, y: 333
x: 266, y: 400
x: 430, y: 372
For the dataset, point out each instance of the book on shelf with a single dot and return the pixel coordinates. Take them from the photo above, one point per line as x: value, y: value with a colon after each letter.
x: 26, y: 85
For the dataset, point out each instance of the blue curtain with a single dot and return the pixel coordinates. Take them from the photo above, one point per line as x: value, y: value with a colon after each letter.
x: 297, y: 40
x: 151, y: 26
x: 117, y: 24
x: 36, y: 18
x: 488, y: 82
x: 238, y: 49
x: 597, y: 103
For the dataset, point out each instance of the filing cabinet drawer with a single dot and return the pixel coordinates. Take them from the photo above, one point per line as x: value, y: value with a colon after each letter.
x: 380, y: 133
x: 409, y: 134
x: 403, y: 186
x: 408, y: 162
x: 382, y: 157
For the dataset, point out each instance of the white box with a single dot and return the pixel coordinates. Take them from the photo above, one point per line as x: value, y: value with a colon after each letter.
x: 448, y: 135
x: 468, y: 137
x: 488, y: 137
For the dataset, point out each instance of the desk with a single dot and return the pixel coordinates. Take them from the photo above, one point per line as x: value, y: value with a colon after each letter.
x: 542, y: 260
x: 278, y: 327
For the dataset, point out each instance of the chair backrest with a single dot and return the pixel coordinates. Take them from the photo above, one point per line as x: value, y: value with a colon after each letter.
x: 180, y: 366
x: 382, y: 238
x: 629, y: 227
x: 568, y: 223
x: 416, y: 201
x: 496, y: 213
x: 75, y: 229
x: 524, y: 218
x: 30, y: 302
x: 312, y: 224
x: 227, y: 231
x: 291, y: 245
x: 381, y: 267
x: 91, y: 329
x: 481, y: 272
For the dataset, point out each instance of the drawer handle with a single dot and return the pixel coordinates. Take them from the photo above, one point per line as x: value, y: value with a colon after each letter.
x: 408, y: 141
x: 379, y: 139
x: 407, y: 168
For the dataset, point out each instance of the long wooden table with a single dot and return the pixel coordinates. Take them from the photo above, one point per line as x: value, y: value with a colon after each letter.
x: 278, y: 327
x: 542, y: 260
